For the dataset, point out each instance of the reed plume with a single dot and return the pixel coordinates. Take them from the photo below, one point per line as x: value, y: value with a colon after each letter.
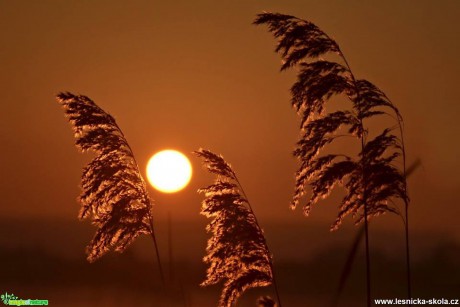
x: 114, y: 194
x: 371, y: 180
x: 237, y: 253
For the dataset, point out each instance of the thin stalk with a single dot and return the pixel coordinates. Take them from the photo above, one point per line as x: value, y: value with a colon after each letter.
x: 348, y: 266
x: 170, y: 249
x: 406, y: 172
x: 266, y: 245
x: 366, y: 224
x: 152, y: 233
x: 408, y: 272
x: 406, y: 224
x: 368, y: 264
x: 364, y: 180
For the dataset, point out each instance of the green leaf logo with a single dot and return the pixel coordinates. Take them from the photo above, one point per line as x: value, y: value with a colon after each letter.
x: 5, y: 298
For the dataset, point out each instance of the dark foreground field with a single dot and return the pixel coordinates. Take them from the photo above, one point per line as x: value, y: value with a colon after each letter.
x: 45, y: 260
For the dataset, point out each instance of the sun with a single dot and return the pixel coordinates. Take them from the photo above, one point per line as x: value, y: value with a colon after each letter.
x: 169, y: 171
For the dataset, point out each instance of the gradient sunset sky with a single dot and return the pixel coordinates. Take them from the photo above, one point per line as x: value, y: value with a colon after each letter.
x: 191, y: 74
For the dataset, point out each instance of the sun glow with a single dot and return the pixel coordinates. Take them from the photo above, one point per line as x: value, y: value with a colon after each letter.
x: 169, y: 171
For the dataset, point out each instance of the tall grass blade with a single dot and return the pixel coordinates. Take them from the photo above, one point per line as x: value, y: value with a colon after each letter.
x: 114, y: 194
x: 237, y: 253
x: 371, y: 181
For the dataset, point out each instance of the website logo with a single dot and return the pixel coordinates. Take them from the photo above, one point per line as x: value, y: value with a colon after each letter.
x: 11, y: 300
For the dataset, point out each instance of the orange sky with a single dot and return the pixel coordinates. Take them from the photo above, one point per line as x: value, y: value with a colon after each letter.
x: 190, y: 74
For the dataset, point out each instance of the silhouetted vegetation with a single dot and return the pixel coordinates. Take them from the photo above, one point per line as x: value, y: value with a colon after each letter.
x: 237, y: 253
x: 113, y: 191
x: 371, y: 179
